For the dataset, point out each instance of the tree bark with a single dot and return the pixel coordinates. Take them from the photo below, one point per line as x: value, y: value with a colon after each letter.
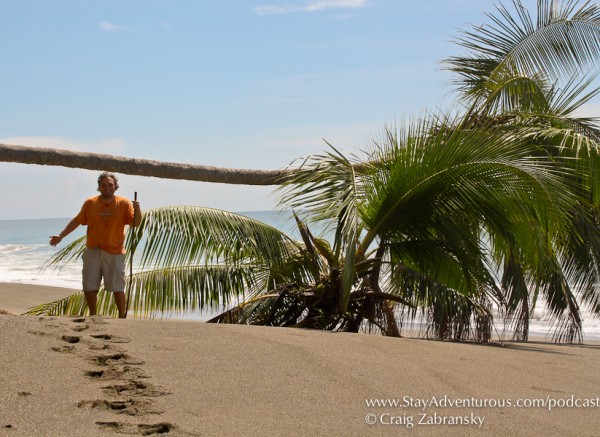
x: 140, y: 167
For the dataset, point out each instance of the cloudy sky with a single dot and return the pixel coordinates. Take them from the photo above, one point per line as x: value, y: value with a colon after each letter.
x: 236, y: 83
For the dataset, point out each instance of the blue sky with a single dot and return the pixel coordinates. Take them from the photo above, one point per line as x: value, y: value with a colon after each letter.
x: 236, y: 83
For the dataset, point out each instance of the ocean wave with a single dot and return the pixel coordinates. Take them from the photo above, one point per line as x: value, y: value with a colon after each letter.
x: 11, y: 248
x: 23, y: 263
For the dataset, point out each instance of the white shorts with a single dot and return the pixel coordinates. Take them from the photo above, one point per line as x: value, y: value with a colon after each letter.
x: 98, y: 264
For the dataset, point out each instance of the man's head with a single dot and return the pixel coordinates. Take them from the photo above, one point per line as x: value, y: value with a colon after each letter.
x: 107, y: 184
x: 105, y: 175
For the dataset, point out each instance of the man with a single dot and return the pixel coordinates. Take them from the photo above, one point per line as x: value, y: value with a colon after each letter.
x: 104, y: 257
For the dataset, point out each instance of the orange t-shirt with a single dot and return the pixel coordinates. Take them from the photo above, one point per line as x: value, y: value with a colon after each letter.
x: 106, y: 222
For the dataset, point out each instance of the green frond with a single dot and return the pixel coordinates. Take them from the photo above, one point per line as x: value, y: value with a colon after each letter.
x: 182, y: 289
x: 195, y: 235
x: 468, y: 176
x: 562, y: 303
x: 69, y: 254
x: 288, y: 306
x: 327, y: 189
x: 448, y: 313
x: 519, y: 298
x: 561, y: 42
x: 75, y: 305
x: 581, y: 258
x: 247, y: 312
x: 70, y: 305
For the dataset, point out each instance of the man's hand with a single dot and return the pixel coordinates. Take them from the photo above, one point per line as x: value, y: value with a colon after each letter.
x: 137, y: 213
x: 71, y: 226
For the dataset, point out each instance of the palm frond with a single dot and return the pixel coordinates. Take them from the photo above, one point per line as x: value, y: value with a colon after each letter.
x: 183, y: 289
x: 562, y: 40
x: 562, y: 303
x: 448, y: 313
x: 581, y: 259
x: 75, y: 305
x: 519, y: 299
x: 326, y: 188
x: 69, y: 254
x: 464, y: 176
x: 195, y: 235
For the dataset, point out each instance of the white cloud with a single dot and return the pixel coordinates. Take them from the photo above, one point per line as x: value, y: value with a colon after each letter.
x: 326, y: 4
x: 313, y: 6
x: 110, y: 27
x: 272, y: 10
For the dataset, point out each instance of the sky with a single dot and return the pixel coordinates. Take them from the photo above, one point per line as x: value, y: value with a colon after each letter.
x: 254, y: 84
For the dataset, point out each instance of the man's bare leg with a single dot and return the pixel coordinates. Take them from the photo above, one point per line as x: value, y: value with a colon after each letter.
x: 120, y: 301
x: 91, y: 297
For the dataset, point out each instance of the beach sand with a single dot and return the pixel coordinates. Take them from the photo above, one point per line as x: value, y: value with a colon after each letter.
x: 18, y: 298
x: 94, y: 376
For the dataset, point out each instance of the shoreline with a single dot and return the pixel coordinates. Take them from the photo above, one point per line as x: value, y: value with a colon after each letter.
x: 16, y: 298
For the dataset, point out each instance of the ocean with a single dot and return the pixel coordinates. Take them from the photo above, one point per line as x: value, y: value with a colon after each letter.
x: 24, y: 249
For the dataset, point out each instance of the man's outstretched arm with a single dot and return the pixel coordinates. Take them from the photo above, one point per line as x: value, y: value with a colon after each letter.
x: 71, y: 226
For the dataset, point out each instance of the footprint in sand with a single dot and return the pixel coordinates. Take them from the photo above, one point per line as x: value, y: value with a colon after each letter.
x: 39, y: 333
x: 110, y: 338
x: 81, y: 325
x: 130, y: 407
x: 112, y: 359
x: 99, y: 347
x: 134, y: 388
x: 116, y: 372
x: 131, y: 397
x: 63, y: 349
x: 94, y: 320
x: 142, y: 429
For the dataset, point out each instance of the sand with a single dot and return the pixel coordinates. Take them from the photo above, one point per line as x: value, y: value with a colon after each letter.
x: 94, y: 376
x: 18, y: 298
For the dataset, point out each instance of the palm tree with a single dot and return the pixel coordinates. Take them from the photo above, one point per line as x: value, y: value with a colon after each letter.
x: 424, y: 214
x: 529, y: 77
x: 407, y: 231
x: 447, y: 218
